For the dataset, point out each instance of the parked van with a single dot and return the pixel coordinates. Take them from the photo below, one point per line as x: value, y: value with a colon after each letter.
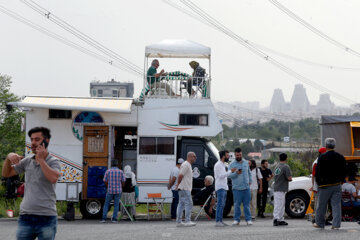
x: 149, y: 134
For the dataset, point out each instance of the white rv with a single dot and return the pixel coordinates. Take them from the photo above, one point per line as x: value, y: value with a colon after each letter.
x: 150, y: 135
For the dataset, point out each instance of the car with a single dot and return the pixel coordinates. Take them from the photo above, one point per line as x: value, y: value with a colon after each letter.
x: 297, y: 198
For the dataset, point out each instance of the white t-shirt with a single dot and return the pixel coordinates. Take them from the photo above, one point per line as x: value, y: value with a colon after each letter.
x: 254, y: 182
x: 348, y: 187
x: 174, y: 173
x: 186, y: 171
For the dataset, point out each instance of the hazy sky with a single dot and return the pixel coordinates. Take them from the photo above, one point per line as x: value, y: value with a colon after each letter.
x: 40, y: 65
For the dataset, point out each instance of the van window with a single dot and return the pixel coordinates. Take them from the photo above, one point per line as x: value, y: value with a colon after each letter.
x: 156, y: 145
x: 193, y: 119
x: 199, y: 151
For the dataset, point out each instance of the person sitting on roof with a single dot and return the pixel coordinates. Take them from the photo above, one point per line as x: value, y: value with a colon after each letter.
x: 197, y: 77
x: 153, y: 78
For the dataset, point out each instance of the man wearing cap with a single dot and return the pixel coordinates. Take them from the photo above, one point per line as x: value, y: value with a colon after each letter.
x: 330, y: 174
x: 114, y: 179
x: 172, y: 185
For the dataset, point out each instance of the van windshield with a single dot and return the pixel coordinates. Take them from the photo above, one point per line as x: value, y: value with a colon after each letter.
x: 213, y: 149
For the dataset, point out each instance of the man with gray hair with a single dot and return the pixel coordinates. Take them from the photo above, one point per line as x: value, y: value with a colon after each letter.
x: 330, y: 174
x: 184, y: 186
x: 153, y: 78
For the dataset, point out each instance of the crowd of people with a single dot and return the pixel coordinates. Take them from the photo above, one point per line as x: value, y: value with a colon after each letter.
x: 249, y: 185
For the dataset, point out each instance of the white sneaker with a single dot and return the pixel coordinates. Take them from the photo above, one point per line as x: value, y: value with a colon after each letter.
x: 249, y: 222
x: 180, y: 224
x: 190, y: 224
x: 235, y: 223
x: 103, y: 221
x: 220, y: 224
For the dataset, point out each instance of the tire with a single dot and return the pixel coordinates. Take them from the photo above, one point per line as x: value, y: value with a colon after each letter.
x: 227, y: 208
x: 91, y: 209
x: 296, y: 204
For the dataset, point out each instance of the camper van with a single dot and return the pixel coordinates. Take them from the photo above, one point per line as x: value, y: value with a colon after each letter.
x: 149, y: 133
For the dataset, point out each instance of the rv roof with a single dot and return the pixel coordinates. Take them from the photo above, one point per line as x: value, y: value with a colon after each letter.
x: 77, y: 103
x: 177, y: 49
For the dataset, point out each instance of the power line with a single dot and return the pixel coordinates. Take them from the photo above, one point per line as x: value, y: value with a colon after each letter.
x: 84, y: 37
x: 260, y: 53
x: 313, y: 29
x: 308, y: 62
x: 63, y: 40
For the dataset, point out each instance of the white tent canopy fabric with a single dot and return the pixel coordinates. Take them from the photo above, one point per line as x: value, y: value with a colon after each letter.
x: 177, y: 49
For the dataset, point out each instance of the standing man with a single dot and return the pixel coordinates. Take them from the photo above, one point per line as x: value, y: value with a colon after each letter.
x: 262, y: 197
x: 172, y: 185
x: 184, y: 186
x: 221, y: 185
x: 38, y: 216
x: 255, y: 186
x: 241, y: 180
x: 330, y: 174
x: 114, y: 179
x: 281, y: 187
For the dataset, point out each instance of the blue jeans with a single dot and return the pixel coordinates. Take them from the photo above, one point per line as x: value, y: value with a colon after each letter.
x: 32, y: 226
x: 108, y: 199
x: 242, y: 196
x: 174, y: 203
x: 185, y: 202
x: 221, y: 200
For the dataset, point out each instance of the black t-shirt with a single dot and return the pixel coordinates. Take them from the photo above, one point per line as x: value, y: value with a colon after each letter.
x: 265, y: 174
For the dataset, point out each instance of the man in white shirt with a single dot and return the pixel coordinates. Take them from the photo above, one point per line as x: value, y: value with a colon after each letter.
x: 184, y: 186
x: 221, y: 185
x: 350, y: 188
x: 255, y: 186
x: 172, y: 185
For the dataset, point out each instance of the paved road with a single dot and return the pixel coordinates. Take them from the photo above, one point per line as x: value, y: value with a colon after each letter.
x: 144, y: 230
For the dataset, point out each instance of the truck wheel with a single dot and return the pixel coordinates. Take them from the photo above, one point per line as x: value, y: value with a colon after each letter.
x: 227, y: 208
x: 91, y: 209
x: 296, y: 205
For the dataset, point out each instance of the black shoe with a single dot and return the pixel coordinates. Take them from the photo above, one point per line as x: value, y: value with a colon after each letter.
x: 276, y: 223
x: 328, y: 223
x: 283, y: 223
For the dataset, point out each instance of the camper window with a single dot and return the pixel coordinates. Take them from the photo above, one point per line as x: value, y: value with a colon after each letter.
x: 59, y: 114
x: 156, y: 145
x: 193, y: 119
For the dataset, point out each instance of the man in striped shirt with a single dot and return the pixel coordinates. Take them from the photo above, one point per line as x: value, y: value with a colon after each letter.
x: 114, y: 179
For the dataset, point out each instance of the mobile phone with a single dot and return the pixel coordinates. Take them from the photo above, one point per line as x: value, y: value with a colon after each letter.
x: 239, y: 169
x: 45, y: 143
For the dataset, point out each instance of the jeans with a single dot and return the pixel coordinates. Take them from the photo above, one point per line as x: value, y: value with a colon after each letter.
x: 185, y: 202
x: 174, y: 203
x: 108, y: 199
x: 242, y: 196
x: 324, y: 194
x: 221, y: 200
x: 32, y: 226
x: 261, y: 200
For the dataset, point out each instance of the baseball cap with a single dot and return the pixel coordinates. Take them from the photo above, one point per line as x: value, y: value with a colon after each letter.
x: 322, y: 150
x: 180, y: 161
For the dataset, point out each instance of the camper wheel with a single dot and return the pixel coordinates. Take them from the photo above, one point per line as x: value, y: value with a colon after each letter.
x: 91, y: 209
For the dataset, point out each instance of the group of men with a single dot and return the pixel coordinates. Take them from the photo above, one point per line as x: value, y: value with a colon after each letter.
x: 239, y: 171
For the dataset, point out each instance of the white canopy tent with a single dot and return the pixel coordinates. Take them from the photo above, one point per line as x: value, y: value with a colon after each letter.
x: 177, y: 49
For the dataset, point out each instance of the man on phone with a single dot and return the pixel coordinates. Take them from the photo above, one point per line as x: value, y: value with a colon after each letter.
x: 241, y: 180
x: 38, y: 215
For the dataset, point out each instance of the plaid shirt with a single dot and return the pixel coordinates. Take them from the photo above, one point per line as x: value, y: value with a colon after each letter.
x: 114, y: 177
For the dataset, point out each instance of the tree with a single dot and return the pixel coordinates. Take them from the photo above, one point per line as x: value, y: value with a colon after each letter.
x: 12, y: 137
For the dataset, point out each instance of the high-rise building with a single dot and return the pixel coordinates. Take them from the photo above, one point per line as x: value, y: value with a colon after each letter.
x: 277, y: 104
x: 111, y: 89
x: 299, y: 100
x: 324, y: 104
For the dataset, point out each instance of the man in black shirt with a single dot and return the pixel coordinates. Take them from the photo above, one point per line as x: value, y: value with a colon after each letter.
x: 201, y: 197
x: 330, y: 174
x: 262, y: 197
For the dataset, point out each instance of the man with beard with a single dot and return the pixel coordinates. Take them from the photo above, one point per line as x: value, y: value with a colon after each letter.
x: 38, y: 215
x: 221, y: 185
x: 241, y: 180
x: 262, y: 197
